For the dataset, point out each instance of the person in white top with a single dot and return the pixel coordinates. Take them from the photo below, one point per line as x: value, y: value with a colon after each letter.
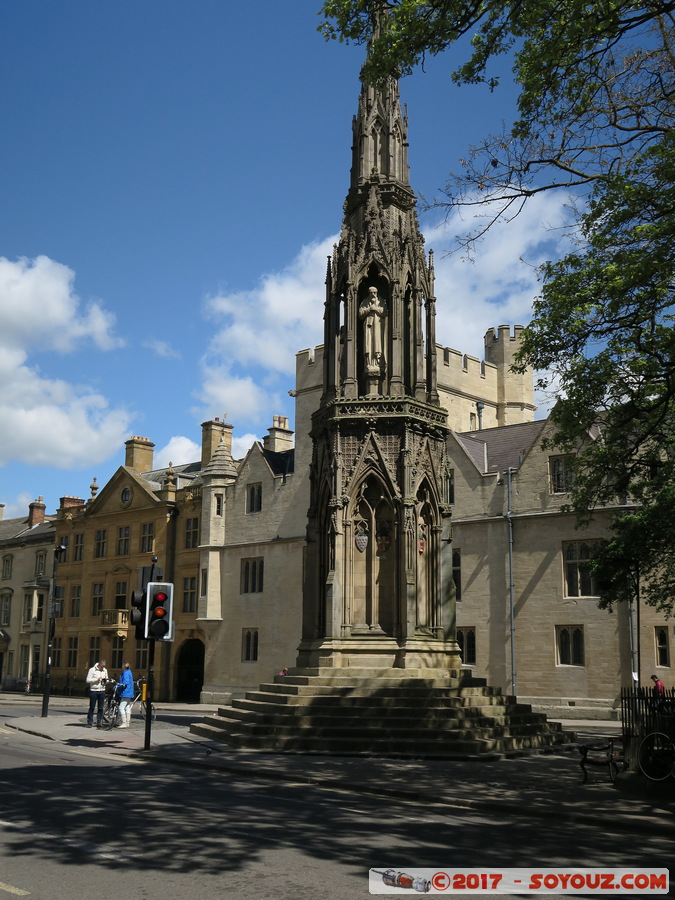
x: 96, y: 679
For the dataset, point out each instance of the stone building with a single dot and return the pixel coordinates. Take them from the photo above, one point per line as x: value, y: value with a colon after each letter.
x: 141, y: 515
x: 26, y: 564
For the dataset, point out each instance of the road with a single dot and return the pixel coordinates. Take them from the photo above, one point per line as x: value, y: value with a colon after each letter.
x: 80, y: 823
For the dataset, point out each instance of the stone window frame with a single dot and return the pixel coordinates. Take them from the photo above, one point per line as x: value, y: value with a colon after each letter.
x: 578, y: 582
x: 662, y: 646
x: 457, y: 572
x: 192, y: 533
x: 254, y: 497
x: 252, y: 575
x: 147, y: 537
x: 250, y: 644
x: 101, y: 543
x: 561, y: 473
x: 7, y: 565
x: 97, y: 598
x: 78, y: 547
x: 466, y: 638
x: 75, y: 601
x: 190, y: 594
x: 72, y: 652
x: 5, y: 607
x: 570, y: 645
x: 123, y: 540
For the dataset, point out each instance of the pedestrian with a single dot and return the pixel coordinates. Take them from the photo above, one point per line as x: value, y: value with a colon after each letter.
x: 126, y: 695
x: 284, y: 671
x: 658, y: 691
x: 96, y: 679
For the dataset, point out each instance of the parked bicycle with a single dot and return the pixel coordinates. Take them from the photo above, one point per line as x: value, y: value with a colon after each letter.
x: 143, y: 709
x: 111, y: 708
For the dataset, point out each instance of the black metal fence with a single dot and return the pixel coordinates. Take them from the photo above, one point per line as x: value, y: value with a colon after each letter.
x: 62, y: 685
x: 641, y: 713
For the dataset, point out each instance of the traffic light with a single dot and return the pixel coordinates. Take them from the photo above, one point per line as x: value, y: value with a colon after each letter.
x: 138, y: 613
x: 159, y: 611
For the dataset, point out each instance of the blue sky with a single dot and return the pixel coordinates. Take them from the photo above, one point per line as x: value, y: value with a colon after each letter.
x: 172, y: 180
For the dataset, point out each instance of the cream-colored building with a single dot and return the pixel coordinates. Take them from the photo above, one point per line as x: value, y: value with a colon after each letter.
x: 26, y: 564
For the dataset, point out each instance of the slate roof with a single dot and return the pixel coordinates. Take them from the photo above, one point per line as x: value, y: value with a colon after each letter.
x: 505, y: 447
x: 280, y: 462
x: 12, y: 530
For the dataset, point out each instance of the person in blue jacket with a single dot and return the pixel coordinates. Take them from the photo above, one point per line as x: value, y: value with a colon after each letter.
x: 126, y: 695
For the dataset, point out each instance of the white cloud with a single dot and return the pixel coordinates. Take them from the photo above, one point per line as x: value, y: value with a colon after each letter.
x: 39, y: 309
x: 499, y: 284
x: 241, y: 445
x: 17, y: 508
x: 179, y: 450
x: 162, y: 349
x: 47, y: 421
x: 249, y: 364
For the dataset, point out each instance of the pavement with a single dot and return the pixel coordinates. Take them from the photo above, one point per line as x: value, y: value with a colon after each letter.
x: 545, y: 784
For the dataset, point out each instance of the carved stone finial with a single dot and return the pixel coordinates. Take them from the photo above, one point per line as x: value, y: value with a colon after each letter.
x: 93, y: 487
x: 170, y: 474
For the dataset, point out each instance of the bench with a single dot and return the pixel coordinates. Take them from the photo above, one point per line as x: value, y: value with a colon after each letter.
x: 606, y: 754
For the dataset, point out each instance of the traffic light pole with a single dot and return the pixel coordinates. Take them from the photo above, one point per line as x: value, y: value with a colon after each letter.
x: 51, y: 630
x: 149, y: 696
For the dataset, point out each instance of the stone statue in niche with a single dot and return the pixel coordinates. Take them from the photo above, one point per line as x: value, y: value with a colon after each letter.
x: 373, y: 312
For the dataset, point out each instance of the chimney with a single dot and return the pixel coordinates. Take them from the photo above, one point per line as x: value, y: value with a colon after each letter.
x: 69, y: 502
x: 211, y: 432
x: 36, y: 512
x: 2, y: 511
x: 139, y: 454
x: 279, y: 437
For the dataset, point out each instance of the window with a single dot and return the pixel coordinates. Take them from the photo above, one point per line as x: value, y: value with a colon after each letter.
x: 125, y: 495
x: 466, y: 638
x: 7, y: 566
x: 78, y: 550
x: 253, y: 498
x: 27, y: 608
x: 578, y: 579
x: 5, y: 608
x: 75, y: 597
x: 457, y: 573
x: 94, y: 651
x: 204, y: 582
x: 100, y: 543
x: 219, y: 504
x: 23, y: 664
x: 59, y: 601
x: 450, y: 486
x: 120, y: 595
x: 123, y: 538
x: 117, y: 657
x: 561, y: 474
x: 249, y: 645
x: 40, y: 611
x: 662, y: 647
x: 63, y: 543
x: 40, y: 563
x: 72, y: 653
x: 141, y: 656
x: 251, y: 581
x: 570, y: 641
x: 35, y: 668
x: 191, y: 533
x: 96, y: 600
x: 190, y: 594
x: 56, y: 652
x: 147, y: 537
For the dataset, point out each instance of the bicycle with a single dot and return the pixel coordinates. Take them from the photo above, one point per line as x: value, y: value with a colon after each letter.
x: 656, y: 756
x: 111, y: 708
x: 143, y: 707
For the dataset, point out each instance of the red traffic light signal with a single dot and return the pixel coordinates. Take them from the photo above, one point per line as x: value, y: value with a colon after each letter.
x: 159, y: 611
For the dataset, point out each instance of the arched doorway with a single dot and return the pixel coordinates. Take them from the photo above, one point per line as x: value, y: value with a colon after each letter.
x: 190, y: 671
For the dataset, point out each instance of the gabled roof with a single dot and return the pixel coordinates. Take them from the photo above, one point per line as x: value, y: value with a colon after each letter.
x: 503, y: 447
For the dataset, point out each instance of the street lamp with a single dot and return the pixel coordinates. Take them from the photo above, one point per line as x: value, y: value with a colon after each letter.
x: 59, y: 556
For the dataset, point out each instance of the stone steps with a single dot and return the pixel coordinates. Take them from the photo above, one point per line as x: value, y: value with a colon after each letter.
x: 399, y: 746
x: 331, y: 712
